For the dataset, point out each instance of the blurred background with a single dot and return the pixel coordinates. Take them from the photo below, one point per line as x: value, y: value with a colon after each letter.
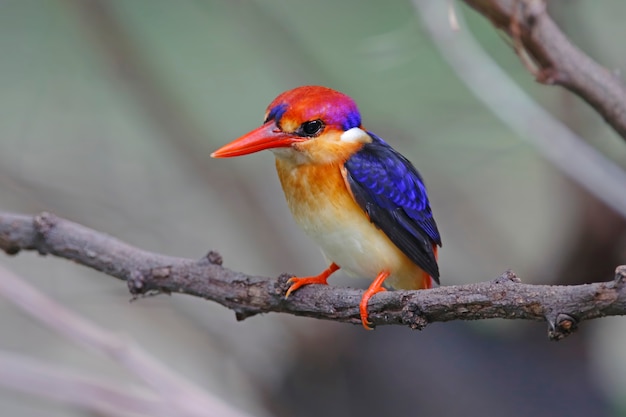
x: 109, y: 110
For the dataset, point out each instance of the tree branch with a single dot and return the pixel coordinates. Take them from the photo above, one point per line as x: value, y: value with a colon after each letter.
x: 147, y: 273
x: 558, y: 144
x: 558, y: 61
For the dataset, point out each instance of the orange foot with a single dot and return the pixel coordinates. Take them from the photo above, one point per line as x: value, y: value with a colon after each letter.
x: 319, y: 279
x: 374, y: 288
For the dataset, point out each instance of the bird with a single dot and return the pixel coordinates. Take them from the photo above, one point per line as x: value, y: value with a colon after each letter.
x: 359, y: 199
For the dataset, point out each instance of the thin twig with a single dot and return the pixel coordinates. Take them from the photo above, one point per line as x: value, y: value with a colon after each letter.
x: 563, y: 307
x: 559, y: 61
x: 35, y: 377
x: 180, y: 397
x: 518, y: 45
x: 551, y: 138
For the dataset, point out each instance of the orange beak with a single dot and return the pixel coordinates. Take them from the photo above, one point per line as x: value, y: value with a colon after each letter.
x: 265, y: 137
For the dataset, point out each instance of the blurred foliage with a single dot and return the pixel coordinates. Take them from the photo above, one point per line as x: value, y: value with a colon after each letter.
x: 110, y: 108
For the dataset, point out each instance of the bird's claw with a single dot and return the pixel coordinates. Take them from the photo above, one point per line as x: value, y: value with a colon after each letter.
x: 318, y: 279
x: 375, y: 288
x: 297, y: 283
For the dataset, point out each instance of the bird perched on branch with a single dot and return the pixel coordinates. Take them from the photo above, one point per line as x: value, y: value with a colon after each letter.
x: 361, y: 201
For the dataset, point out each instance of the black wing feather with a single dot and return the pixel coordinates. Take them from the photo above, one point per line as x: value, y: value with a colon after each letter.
x: 392, y: 193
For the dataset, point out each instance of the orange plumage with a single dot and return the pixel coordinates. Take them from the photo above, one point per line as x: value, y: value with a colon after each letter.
x: 363, y: 203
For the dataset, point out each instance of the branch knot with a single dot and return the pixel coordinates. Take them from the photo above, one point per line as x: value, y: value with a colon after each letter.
x: 214, y: 258
x: 44, y: 222
x: 507, y: 277
x: 620, y: 275
x: 563, y: 326
x: 412, y: 316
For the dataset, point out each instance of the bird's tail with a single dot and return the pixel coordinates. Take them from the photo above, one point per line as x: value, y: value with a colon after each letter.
x: 427, y: 280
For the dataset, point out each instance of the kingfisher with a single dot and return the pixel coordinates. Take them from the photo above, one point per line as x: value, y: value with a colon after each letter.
x: 359, y: 199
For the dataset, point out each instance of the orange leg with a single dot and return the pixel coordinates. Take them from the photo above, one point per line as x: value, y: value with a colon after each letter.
x: 374, y: 288
x: 319, y: 279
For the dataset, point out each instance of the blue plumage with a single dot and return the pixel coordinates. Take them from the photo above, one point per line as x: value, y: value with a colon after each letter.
x: 276, y: 112
x: 351, y: 119
x: 391, y: 191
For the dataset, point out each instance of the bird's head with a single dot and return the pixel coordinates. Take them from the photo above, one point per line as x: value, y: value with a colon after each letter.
x: 308, y: 124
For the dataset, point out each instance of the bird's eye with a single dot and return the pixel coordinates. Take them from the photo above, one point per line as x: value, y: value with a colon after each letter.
x: 312, y: 128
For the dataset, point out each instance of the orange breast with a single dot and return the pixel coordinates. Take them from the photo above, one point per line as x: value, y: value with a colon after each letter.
x: 323, y: 207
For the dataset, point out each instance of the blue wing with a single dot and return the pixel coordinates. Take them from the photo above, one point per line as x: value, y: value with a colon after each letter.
x: 392, y: 193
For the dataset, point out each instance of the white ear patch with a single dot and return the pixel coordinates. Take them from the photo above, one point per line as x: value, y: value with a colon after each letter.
x: 355, y: 135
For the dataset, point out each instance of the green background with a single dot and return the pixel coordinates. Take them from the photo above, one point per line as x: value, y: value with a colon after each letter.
x: 109, y: 111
